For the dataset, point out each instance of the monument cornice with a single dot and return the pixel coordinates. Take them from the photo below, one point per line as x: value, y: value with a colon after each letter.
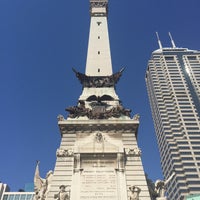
x: 100, y: 121
x: 74, y: 126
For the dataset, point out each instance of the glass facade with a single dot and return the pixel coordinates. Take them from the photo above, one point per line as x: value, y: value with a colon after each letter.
x: 18, y: 196
x: 173, y: 85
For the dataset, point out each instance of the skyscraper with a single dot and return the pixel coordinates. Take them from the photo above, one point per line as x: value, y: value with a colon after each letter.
x: 173, y: 84
x: 98, y: 157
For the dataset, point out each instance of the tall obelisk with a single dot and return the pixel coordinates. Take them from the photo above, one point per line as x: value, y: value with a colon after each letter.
x: 98, y: 157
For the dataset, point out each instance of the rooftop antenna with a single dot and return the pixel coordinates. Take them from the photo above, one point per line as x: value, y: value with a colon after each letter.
x: 159, y: 42
x: 172, y: 41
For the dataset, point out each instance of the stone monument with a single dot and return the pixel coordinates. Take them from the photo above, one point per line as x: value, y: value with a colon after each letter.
x: 98, y: 158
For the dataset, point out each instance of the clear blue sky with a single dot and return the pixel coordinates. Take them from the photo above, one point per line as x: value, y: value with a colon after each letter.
x: 40, y: 42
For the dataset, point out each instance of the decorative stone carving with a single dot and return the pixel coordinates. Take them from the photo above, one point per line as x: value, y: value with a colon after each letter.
x: 98, y: 3
x: 64, y: 153
x: 60, y: 118
x: 99, y: 137
x: 97, y: 112
x: 98, y: 81
x: 136, y: 117
x: 78, y: 111
x: 42, y: 185
x: 134, y: 152
x: 160, y: 186
x: 63, y: 194
x: 135, y: 191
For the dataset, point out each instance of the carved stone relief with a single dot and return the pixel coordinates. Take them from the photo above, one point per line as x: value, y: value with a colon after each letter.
x: 134, y: 152
x: 64, y: 153
x: 99, y: 137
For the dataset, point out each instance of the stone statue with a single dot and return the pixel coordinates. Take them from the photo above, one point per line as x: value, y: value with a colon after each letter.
x: 135, y: 191
x: 41, y: 185
x: 62, y: 194
x: 160, y: 186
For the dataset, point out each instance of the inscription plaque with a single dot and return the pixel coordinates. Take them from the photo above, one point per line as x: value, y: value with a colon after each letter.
x: 98, y: 179
x: 98, y: 183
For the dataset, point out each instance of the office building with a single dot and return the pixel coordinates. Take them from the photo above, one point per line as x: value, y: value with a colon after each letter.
x: 173, y: 85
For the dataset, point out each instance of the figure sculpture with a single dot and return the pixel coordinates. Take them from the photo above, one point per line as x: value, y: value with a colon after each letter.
x: 135, y: 191
x: 160, y: 185
x: 41, y: 185
x: 62, y: 194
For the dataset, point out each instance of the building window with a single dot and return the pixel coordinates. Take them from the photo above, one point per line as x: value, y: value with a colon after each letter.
x: 194, y: 182
x: 192, y: 128
x: 11, y: 197
x: 17, y: 197
x: 23, y: 197
x: 29, y: 197
x: 5, y: 197
x: 191, y: 57
x: 187, y: 158
x: 169, y: 58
